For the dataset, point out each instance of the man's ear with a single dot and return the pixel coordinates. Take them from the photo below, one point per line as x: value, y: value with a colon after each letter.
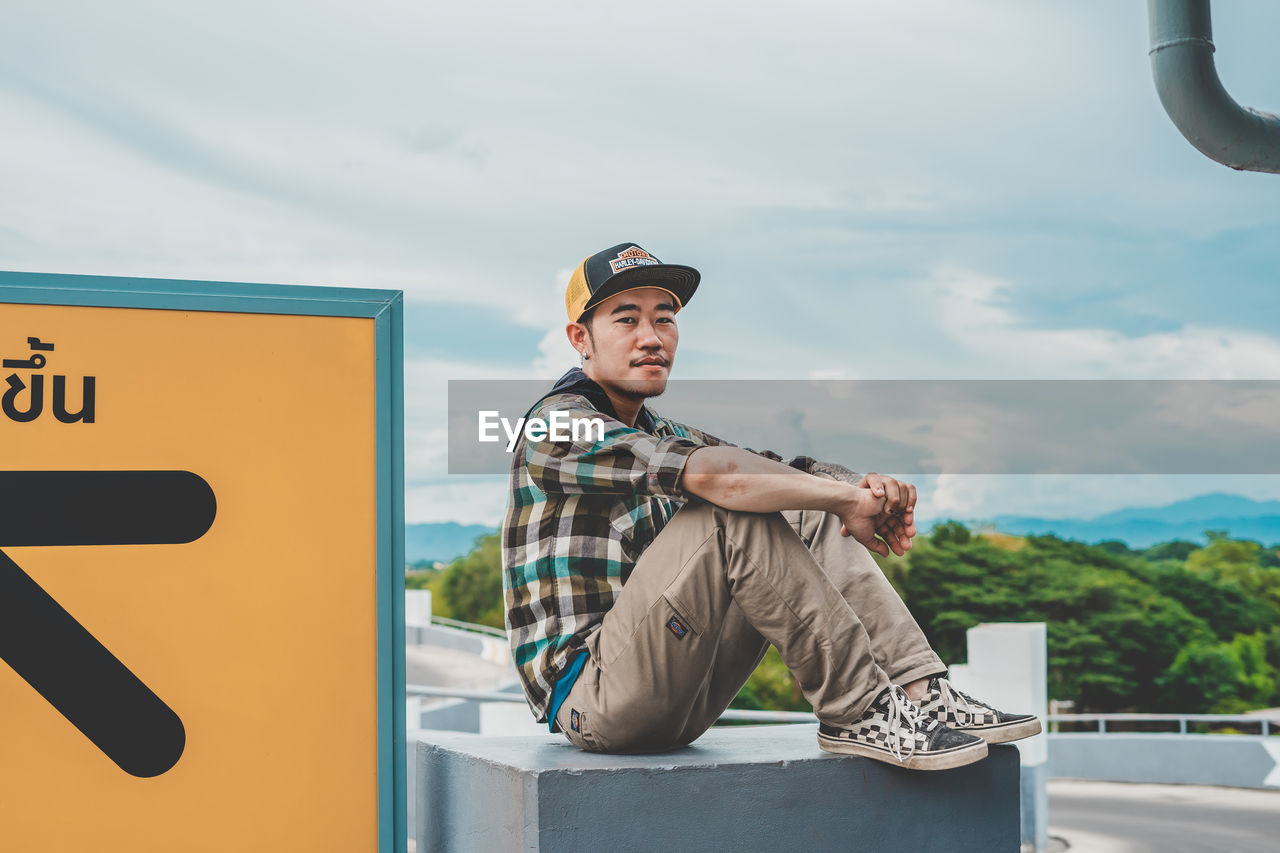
x: 577, y: 333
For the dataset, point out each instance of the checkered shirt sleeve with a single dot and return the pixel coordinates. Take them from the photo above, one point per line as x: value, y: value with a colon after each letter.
x: 625, y: 460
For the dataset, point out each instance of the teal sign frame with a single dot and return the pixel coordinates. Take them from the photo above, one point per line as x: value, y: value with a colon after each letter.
x: 386, y: 309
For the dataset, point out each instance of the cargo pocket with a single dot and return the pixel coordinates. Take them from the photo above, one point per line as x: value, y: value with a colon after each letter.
x: 617, y: 638
x: 572, y: 721
x: 572, y: 718
x: 584, y: 736
x: 680, y: 622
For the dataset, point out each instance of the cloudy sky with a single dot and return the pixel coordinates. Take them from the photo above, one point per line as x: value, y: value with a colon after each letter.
x: 927, y: 190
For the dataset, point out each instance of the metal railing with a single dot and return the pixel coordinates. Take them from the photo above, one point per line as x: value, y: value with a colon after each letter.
x: 469, y: 626
x: 1251, y: 720
x: 458, y: 693
x: 731, y: 715
x: 735, y: 715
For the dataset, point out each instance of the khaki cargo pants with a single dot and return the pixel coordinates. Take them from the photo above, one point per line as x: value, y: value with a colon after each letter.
x: 704, y: 603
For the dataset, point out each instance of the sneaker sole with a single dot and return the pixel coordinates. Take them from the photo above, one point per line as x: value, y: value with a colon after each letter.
x: 1006, y: 733
x: 941, y: 760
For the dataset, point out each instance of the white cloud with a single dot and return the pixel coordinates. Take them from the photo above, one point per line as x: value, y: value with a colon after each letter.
x: 812, y: 159
x: 466, y: 500
x: 555, y: 354
x: 973, y: 310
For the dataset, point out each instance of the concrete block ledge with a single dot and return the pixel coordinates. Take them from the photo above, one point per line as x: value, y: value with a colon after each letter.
x: 735, y: 789
x: 1239, y: 761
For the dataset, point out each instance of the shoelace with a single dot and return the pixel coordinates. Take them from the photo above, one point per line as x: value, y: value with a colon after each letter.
x: 902, y: 710
x: 956, y: 703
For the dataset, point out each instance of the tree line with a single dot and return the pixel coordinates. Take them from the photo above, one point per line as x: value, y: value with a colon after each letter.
x: 1177, y: 627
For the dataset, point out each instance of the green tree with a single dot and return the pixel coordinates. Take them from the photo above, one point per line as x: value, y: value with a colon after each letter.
x: 433, y: 581
x: 1178, y: 549
x: 1223, y: 604
x: 1240, y: 561
x: 950, y: 533
x: 472, y: 585
x: 1257, y: 675
x: 1203, y: 675
x: 1127, y: 630
x: 771, y: 688
x: 1110, y: 633
x: 1221, y: 678
x: 1228, y: 557
x: 1269, y: 557
x: 1116, y: 547
x: 1271, y: 648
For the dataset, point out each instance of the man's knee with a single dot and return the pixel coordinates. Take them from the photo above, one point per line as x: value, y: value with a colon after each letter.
x: 771, y: 522
x: 822, y: 533
x: 814, y: 525
x: 702, y: 512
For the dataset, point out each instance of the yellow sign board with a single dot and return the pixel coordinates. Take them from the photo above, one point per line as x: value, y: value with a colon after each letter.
x: 197, y: 511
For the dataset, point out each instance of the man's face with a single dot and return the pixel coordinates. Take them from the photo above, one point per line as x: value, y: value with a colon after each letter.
x: 632, y: 342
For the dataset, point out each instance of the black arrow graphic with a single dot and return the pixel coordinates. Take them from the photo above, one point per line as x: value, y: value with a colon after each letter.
x: 45, y: 644
x: 103, y: 508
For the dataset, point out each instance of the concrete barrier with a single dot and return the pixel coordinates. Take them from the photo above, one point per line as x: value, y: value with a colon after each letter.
x: 417, y: 607
x: 738, y: 788
x: 492, y: 649
x: 476, y: 717
x: 1239, y: 761
x: 411, y: 780
x: 455, y: 715
x: 1008, y: 667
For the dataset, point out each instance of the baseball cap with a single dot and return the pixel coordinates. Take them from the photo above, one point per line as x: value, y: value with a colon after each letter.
x: 625, y: 267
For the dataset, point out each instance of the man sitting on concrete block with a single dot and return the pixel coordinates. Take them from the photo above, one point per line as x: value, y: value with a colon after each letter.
x: 634, y: 626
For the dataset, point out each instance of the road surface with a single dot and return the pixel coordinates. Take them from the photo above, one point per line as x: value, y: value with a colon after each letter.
x: 1116, y: 817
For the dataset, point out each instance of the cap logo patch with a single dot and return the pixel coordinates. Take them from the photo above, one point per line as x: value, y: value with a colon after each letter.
x: 633, y: 257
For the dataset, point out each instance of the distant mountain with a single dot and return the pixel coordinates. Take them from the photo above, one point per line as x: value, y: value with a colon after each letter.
x: 1142, y: 527
x: 1215, y: 505
x: 1139, y: 527
x: 440, y: 540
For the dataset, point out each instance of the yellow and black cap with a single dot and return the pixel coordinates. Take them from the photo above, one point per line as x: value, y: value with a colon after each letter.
x: 625, y: 267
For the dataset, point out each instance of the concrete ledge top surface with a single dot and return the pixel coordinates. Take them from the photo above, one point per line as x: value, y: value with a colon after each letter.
x: 720, y: 747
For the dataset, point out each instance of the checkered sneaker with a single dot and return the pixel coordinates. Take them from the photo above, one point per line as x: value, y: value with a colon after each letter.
x: 892, y: 730
x: 944, y: 704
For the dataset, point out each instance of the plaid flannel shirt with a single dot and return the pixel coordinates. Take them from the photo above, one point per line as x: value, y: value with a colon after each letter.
x: 581, y: 514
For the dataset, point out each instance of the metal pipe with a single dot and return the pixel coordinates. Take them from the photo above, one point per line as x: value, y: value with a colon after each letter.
x: 1193, y: 96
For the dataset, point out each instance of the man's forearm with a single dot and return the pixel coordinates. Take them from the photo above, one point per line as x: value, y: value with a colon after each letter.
x: 739, y: 479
